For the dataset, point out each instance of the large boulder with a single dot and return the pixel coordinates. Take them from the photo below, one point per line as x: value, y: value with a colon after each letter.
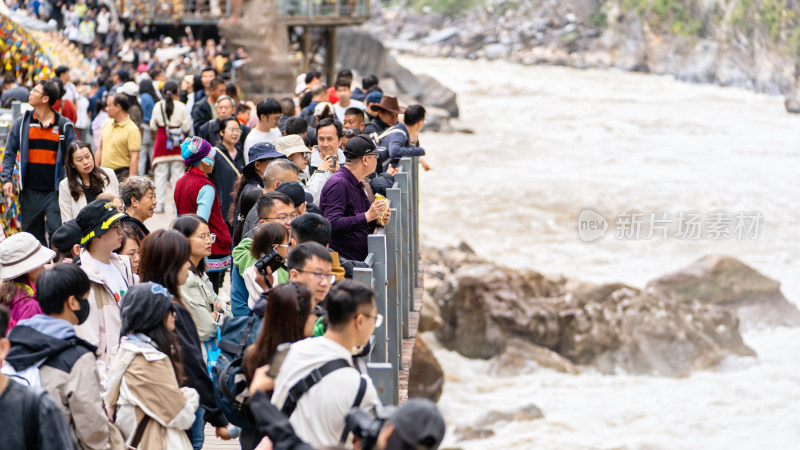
x: 488, y: 310
x: 425, y: 377
x: 726, y: 281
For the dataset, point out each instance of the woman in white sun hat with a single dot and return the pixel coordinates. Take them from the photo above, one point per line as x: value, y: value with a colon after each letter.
x: 22, y: 260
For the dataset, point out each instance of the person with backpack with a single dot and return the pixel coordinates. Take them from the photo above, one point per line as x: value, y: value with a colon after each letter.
x: 171, y: 122
x: 40, y: 138
x: 320, y: 373
x: 288, y: 318
x: 46, y: 349
x: 22, y: 260
x: 151, y: 407
x: 30, y: 418
x: 398, y: 139
x: 165, y: 259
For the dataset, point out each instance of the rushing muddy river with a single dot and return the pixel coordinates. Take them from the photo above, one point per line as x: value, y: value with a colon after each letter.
x: 646, y: 155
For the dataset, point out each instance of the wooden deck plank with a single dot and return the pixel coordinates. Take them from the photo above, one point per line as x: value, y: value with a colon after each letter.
x: 408, y: 344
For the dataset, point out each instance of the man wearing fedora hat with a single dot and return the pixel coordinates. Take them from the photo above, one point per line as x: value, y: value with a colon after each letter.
x: 110, y: 275
x: 388, y: 109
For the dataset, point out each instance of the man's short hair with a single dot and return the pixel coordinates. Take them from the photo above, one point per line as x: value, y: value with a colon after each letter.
x: 242, y: 107
x: 52, y: 91
x: 311, y: 74
x: 344, y: 300
x: 122, y: 101
x: 287, y: 106
x: 414, y: 114
x: 296, y: 125
x: 343, y: 82
x: 154, y: 72
x: 56, y: 285
x: 266, y: 202
x: 353, y: 111
x: 60, y: 70
x: 276, y: 168
x: 328, y: 122
x: 345, y: 73
x: 300, y: 254
x: 311, y: 227
x: 9, y: 79
x: 317, y: 90
x: 223, y: 98
x: 208, y: 69
x: 267, y: 107
x: 215, y: 83
x: 368, y: 82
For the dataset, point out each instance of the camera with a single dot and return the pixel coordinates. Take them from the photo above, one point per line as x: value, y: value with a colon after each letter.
x: 273, y: 260
x: 365, y: 427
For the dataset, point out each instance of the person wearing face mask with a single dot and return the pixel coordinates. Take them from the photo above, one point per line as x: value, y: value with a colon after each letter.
x: 67, y: 364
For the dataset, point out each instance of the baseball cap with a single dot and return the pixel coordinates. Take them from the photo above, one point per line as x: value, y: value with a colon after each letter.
x: 359, y: 146
x: 294, y: 190
x: 96, y: 218
x: 419, y: 424
x: 67, y: 235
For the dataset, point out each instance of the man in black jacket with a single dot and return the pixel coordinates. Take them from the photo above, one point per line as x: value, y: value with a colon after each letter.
x: 204, y: 110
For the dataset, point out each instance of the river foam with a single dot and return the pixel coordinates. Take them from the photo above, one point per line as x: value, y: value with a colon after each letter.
x: 550, y: 141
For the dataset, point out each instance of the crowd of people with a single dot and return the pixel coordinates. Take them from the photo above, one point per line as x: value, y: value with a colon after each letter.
x: 118, y: 336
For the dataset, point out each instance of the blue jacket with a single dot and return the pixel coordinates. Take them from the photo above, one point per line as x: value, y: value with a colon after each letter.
x: 147, y: 102
x: 397, y: 144
x: 17, y: 142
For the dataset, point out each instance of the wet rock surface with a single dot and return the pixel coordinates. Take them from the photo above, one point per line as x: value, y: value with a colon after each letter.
x: 679, y: 324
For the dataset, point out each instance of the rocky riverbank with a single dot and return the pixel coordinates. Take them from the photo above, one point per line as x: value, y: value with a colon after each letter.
x: 726, y: 43
x: 686, y: 321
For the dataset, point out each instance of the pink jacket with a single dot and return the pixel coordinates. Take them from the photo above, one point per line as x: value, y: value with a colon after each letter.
x: 23, y: 304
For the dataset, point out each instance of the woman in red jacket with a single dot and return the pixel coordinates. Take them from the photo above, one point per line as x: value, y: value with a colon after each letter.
x: 195, y: 194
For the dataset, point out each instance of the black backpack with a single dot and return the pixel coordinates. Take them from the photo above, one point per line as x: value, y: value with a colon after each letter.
x: 230, y: 383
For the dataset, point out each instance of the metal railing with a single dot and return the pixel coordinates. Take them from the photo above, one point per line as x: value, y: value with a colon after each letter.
x: 393, y: 273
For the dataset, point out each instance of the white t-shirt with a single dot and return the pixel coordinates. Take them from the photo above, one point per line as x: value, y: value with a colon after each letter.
x: 319, y: 416
x: 103, y: 22
x: 339, y: 109
x: 256, y: 136
x: 113, y: 279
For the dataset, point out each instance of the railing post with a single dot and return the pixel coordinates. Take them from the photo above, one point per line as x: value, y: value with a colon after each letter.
x: 377, y: 246
x: 393, y: 316
x: 415, y: 217
x: 403, y: 274
x: 384, y: 379
x: 363, y: 275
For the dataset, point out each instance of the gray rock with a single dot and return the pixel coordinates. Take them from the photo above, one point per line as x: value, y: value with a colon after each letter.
x: 792, y: 101
x: 488, y: 310
x: 425, y: 377
x: 496, y: 51
x: 434, y: 93
x: 726, y: 281
x: 439, y: 36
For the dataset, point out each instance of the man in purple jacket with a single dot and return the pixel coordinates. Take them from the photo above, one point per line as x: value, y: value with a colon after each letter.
x: 346, y: 205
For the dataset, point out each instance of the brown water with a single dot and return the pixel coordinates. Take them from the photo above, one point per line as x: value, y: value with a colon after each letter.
x: 550, y: 142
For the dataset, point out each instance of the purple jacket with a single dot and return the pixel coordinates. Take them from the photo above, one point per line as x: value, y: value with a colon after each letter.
x: 344, y: 203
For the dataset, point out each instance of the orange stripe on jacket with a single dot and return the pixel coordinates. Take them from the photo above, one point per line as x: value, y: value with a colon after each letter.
x: 41, y: 156
x: 47, y: 134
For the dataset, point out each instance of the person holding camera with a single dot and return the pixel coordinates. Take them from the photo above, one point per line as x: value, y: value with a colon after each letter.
x: 326, y: 364
x: 270, y: 247
x: 416, y: 424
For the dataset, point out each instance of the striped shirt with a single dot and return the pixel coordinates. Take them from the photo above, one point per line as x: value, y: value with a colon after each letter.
x: 42, y: 154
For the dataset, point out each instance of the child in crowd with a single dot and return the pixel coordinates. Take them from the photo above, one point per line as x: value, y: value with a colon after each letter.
x: 267, y: 237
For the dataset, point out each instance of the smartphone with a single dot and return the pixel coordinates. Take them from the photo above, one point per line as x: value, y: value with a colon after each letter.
x: 277, y: 359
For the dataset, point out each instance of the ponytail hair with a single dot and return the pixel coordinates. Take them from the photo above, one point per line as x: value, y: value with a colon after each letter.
x: 169, y: 91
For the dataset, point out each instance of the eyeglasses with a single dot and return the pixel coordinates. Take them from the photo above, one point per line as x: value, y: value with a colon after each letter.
x: 233, y: 131
x: 281, y: 245
x: 204, y: 237
x: 37, y: 92
x: 371, y: 154
x: 378, y: 319
x: 116, y: 228
x: 283, y: 218
x: 320, y: 277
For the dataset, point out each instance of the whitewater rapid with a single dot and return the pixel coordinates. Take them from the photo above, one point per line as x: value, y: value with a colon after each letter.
x: 552, y: 141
